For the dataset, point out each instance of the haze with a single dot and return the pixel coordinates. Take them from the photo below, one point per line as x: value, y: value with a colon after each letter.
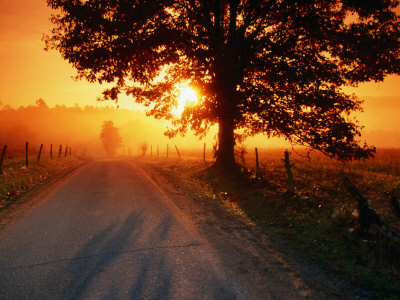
x: 29, y: 73
x: 80, y: 128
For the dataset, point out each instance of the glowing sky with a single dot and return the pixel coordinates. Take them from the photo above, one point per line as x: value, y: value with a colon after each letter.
x: 29, y: 73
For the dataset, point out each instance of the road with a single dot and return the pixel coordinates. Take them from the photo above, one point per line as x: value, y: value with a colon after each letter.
x: 109, y: 231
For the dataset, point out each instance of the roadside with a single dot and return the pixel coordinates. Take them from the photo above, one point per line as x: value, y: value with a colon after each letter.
x: 22, y: 189
x: 252, y: 251
x: 113, y: 230
x: 244, y: 226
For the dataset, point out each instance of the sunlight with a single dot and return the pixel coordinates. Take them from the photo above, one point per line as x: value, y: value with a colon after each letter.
x: 187, y: 97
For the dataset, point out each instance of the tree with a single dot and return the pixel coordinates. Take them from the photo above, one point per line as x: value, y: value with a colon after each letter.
x: 143, y: 148
x: 110, y: 137
x: 271, y: 67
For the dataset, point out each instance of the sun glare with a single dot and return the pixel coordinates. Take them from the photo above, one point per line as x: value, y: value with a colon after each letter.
x: 187, y: 97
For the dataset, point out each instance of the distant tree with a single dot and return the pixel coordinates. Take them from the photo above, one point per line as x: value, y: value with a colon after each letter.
x: 110, y: 137
x: 261, y: 66
x: 144, y: 147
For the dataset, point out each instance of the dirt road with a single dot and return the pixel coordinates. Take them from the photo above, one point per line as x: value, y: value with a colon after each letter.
x: 117, y: 230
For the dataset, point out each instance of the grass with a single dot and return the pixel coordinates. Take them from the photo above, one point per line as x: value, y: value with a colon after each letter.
x: 321, y: 219
x: 17, y: 179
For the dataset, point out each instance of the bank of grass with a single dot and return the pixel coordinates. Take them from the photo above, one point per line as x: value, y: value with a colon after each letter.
x: 322, y: 227
x: 321, y: 218
x: 17, y: 179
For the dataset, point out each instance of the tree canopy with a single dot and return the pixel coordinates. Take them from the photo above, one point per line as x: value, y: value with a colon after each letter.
x: 276, y: 67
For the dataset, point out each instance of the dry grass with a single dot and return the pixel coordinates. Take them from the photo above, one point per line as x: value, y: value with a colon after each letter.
x: 321, y: 218
x: 17, y: 179
x: 319, y: 177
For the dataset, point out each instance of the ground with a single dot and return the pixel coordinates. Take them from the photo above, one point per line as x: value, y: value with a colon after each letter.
x: 238, y: 237
x: 252, y: 253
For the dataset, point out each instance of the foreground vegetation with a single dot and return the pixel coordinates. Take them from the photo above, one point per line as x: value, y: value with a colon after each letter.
x: 321, y: 218
x: 17, y: 179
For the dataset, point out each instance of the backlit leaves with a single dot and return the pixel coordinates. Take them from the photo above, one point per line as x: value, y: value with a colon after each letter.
x: 277, y: 66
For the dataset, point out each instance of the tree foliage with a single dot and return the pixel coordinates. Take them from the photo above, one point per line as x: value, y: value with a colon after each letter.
x: 110, y: 138
x: 276, y: 67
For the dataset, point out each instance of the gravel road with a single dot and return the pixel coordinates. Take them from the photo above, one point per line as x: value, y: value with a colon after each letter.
x: 111, y: 230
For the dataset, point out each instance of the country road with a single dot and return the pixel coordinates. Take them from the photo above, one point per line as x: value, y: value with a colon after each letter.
x: 110, y: 231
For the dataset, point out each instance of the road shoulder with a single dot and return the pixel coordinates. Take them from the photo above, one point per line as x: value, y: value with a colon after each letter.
x: 34, y: 197
x: 250, y: 251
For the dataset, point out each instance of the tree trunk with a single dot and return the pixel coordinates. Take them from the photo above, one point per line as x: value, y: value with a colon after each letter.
x: 226, y: 106
x: 225, y: 152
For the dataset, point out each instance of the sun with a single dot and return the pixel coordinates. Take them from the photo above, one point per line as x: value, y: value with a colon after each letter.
x: 186, y: 97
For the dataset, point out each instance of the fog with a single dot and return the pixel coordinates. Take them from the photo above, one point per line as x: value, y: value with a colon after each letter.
x: 80, y: 127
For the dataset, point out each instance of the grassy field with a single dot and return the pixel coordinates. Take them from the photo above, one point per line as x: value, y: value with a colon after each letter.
x: 321, y: 218
x: 17, y: 179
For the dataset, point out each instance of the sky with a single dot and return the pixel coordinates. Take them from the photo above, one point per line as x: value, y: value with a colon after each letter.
x: 29, y: 73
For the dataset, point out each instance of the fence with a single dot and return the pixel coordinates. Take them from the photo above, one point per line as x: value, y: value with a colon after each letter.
x: 27, y: 154
x: 295, y: 174
x: 248, y: 162
x: 164, y: 151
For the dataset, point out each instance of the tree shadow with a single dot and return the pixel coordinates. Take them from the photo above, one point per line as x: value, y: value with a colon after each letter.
x: 151, y: 267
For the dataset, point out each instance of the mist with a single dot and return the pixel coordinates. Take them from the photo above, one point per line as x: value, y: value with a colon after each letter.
x: 80, y: 127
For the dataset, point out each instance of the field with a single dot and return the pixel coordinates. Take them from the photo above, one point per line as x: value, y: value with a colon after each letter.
x: 321, y: 218
x: 17, y: 178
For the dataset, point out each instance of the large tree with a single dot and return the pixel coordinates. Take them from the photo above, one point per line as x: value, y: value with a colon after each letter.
x: 275, y: 67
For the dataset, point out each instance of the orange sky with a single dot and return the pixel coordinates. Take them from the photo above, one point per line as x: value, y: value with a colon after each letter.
x: 29, y: 73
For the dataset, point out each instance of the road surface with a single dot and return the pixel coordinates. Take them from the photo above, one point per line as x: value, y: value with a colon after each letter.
x: 110, y: 232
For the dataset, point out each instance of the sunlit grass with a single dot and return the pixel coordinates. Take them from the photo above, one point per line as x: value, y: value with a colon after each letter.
x: 17, y: 179
x: 321, y: 219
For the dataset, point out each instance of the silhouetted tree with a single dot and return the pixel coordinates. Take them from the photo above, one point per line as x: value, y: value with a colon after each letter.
x: 144, y: 147
x: 271, y: 67
x: 110, y: 137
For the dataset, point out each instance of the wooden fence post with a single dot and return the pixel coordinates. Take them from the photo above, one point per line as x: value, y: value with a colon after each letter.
x: 40, y: 152
x: 395, y: 201
x: 59, y: 151
x: 367, y: 215
x: 1, y: 158
x: 66, y: 151
x: 288, y: 166
x: 26, y: 155
x: 51, y: 151
x: 179, y: 155
x: 204, y: 153
x: 257, y: 164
